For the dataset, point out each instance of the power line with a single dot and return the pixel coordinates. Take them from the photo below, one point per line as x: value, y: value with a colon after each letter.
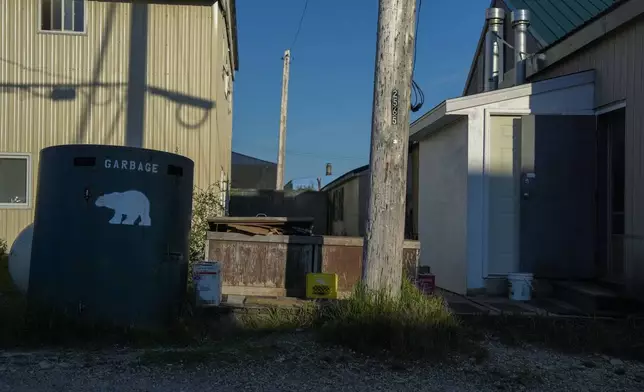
x: 299, y: 27
x: 324, y: 156
x: 308, y: 154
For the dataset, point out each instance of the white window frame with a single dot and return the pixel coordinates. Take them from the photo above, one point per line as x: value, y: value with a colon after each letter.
x: 62, y: 32
x: 27, y: 157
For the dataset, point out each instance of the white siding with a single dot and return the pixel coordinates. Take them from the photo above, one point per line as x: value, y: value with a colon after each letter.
x: 443, y: 205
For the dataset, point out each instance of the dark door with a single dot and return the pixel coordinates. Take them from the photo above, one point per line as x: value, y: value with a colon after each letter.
x: 610, y: 195
x: 557, y: 212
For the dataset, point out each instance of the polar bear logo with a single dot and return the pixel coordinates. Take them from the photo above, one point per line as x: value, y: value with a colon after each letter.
x: 128, y: 207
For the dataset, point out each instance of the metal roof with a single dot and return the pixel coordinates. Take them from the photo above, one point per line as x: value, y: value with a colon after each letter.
x: 345, y: 177
x: 243, y: 159
x: 554, y: 19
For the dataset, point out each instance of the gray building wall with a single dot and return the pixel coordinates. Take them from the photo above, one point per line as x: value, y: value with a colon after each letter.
x: 251, y: 173
x: 618, y: 60
x: 443, y: 205
x: 557, y: 207
x: 290, y: 204
x: 348, y: 203
x: 352, y: 220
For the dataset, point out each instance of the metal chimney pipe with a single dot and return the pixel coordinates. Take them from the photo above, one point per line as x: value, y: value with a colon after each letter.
x: 520, y: 24
x: 494, y: 48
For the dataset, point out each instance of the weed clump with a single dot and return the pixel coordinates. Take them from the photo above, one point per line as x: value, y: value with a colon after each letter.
x: 411, y: 325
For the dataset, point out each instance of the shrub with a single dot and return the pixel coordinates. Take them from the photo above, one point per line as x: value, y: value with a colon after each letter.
x: 3, y: 247
x: 412, y: 325
x: 206, y: 203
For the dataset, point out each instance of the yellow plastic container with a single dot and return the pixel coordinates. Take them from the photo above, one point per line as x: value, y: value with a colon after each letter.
x: 320, y: 285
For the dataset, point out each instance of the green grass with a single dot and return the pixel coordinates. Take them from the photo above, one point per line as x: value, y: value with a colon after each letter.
x: 12, y: 305
x: 413, y: 325
x: 19, y: 328
x: 6, y: 284
x: 370, y: 322
x: 275, y: 319
x: 4, y: 247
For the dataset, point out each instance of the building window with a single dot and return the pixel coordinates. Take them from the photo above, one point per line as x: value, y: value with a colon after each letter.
x: 62, y: 16
x: 15, y: 180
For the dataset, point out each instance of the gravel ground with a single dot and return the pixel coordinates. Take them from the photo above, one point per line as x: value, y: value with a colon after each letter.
x: 296, y: 363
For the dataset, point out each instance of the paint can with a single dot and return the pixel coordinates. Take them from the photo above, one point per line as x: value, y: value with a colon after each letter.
x: 207, y: 279
x: 520, y: 286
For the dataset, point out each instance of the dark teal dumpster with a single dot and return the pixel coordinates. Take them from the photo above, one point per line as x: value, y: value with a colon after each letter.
x: 111, y: 232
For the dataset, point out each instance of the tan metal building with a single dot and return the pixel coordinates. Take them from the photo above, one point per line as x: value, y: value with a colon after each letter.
x: 156, y: 74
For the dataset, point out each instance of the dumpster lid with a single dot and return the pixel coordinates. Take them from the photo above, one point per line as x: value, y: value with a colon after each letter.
x: 262, y: 225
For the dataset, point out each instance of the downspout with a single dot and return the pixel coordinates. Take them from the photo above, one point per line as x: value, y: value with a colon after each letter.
x: 494, y: 48
x: 520, y: 25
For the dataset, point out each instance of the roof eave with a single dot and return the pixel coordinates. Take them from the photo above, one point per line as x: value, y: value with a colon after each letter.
x: 430, y: 122
x: 229, y: 13
x: 233, y: 26
x: 345, y: 178
x: 541, y: 87
x: 454, y: 109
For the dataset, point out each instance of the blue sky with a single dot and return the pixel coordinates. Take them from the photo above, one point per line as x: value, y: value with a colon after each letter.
x: 332, y: 69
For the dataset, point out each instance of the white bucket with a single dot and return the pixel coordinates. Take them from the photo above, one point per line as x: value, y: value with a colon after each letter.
x: 520, y: 286
x: 207, y: 280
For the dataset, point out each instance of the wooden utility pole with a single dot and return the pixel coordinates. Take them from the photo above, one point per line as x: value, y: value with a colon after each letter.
x: 282, y: 140
x: 383, y: 246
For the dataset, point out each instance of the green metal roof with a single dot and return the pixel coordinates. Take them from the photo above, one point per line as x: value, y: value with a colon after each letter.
x: 554, y: 19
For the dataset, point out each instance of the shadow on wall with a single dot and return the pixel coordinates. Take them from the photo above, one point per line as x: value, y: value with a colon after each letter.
x: 290, y: 204
x: 128, y: 97
x: 535, y: 210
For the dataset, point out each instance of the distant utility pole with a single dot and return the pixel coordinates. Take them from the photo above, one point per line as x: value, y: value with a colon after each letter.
x: 383, y: 246
x: 282, y: 140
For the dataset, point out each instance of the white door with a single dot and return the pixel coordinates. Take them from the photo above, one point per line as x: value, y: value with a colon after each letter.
x: 503, y: 181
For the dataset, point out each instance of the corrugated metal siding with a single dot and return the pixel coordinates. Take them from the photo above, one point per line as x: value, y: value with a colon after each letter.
x: 186, y: 49
x: 618, y: 60
x: 553, y: 19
